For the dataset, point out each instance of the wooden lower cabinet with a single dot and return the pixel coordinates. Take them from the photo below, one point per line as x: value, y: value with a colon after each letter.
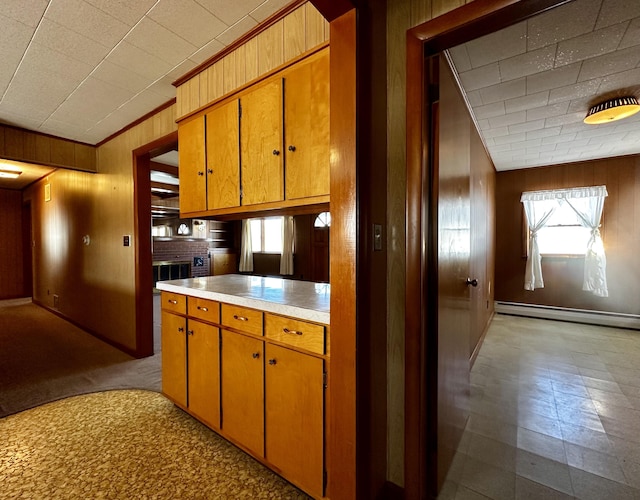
x: 203, y: 372
x: 243, y: 390
x: 191, y: 366
x: 174, y: 357
x: 294, y: 412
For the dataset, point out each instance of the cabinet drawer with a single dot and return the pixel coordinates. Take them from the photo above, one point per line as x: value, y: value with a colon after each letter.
x: 296, y: 333
x: 243, y: 319
x: 174, y: 302
x: 207, y: 310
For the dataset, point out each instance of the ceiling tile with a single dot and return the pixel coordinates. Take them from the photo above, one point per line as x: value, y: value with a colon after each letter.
x: 526, y: 127
x: 138, y: 61
x: 489, y: 110
x: 597, y: 131
x: 18, y: 119
x: 527, y: 64
x: 544, y: 132
x: 553, y: 78
x: 565, y: 119
x: 189, y: 20
x: 632, y: 35
x: 571, y: 92
x: 28, y: 13
x: 43, y: 60
x: 496, y: 132
x: 159, y: 41
x: 503, y: 91
x: 629, y: 80
x: 266, y: 9
x: 236, y: 31
x: 84, y: 99
x: 509, y: 139
x: 573, y: 19
x: 206, y: 52
x: 66, y: 41
x: 608, y: 64
x: 127, y: 11
x: 118, y: 76
x: 590, y: 45
x: 460, y: 58
x: 474, y: 98
x: 510, y: 119
x: 616, y: 11
x: 547, y: 111
x: 527, y: 102
x: 559, y: 139
x: 14, y: 40
x: 230, y: 12
x: 502, y: 44
x: 87, y: 20
x: 481, y: 77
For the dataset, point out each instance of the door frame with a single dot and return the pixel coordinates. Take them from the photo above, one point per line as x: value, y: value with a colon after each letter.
x: 460, y: 25
x: 142, y: 241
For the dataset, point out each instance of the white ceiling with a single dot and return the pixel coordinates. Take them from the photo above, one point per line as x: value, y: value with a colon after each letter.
x: 530, y: 85
x: 84, y: 69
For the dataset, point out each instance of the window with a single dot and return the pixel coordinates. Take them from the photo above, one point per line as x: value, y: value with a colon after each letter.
x: 323, y: 220
x: 266, y: 235
x: 563, y: 234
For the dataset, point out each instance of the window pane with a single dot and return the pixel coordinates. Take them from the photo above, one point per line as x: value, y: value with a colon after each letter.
x: 323, y: 220
x: 273, y: 234
x: 571, y: 240
x: 256, y: 235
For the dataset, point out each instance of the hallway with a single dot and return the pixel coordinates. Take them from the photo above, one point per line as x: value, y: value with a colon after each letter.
x: 555, y: 413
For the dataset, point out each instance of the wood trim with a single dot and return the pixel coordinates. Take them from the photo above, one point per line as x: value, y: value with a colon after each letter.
x: 343, y: 243
x: 143, y: 118
x: 333, y: 9
x: 286, y: 207
x: 264, y: 25
x: 476, y: 350
x: 457, y: 26
x: 142, y: 242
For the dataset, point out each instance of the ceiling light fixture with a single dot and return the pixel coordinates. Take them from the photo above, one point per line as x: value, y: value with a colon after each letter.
x: 611, y: 110
x: 9, y: 174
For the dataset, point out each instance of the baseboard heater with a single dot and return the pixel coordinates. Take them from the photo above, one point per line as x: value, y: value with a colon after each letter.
x: 603, y: 318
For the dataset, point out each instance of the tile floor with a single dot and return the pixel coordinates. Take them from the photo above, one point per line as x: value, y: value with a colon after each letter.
x: 555, y: 413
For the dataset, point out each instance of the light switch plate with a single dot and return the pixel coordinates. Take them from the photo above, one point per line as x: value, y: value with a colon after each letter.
x: 377, y: 237
x: 126, y: 240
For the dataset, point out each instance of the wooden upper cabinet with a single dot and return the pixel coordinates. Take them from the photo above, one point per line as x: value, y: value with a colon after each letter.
x: 306, y: 118
x: 223, y: 156
x: 261, y: 144
x: 192, y: 161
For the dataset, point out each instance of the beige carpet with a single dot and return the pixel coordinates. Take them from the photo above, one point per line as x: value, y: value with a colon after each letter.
x: 124, y: 445
x: 44, y: 358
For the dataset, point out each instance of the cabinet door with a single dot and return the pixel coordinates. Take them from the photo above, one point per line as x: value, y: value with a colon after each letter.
x: 203, y: 343
x: 223, y: 156
x: 191, y: 153
x: 174, y: 357
x: 306, y: 119
x: 294, y: 392
x: 261, y: 144
x: 243, y: 390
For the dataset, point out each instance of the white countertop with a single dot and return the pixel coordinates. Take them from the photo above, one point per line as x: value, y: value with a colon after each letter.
x: 298, y: 299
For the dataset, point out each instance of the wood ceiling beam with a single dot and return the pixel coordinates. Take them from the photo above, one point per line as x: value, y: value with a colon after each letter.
x: 162, y: 167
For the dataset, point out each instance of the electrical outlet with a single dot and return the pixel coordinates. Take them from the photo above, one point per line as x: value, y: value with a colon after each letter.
x: 126, y: 240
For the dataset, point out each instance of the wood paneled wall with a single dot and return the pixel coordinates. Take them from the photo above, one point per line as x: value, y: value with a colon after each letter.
x: 563, y: 276
x: 401, y: 16
x: 12, y: 279
x: 95, y: 284
x: 298, y: 32
x: 32, y: 147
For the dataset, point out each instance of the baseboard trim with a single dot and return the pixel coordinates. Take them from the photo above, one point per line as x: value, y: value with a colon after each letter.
x: 601, y: 318
x: 476, y: 350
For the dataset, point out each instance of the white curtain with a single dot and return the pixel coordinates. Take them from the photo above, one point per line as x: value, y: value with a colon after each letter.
x: 538, y: 212
x: 246, y: 252
x: 588, y: 203
x: 286, y: 259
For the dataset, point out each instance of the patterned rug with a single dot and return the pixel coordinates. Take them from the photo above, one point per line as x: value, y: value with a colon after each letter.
x: 125, y: 444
